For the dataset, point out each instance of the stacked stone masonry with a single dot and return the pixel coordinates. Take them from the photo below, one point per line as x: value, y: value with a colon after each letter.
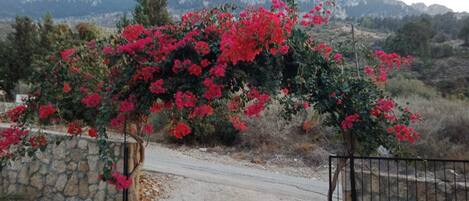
x: 67, y: 171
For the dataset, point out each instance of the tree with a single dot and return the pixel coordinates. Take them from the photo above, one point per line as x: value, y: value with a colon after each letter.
x: 413, y: 38
x: 87, y: 31
x: 151, y: 13
x: 464, y: 32
x: 45, y: 33
x: 17, y: 54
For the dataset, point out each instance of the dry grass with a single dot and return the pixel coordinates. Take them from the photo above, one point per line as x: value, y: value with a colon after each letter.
x: 444, y: 129
x: 272, y: 136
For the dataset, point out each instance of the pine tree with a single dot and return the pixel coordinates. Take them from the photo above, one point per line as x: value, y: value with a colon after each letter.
x: 45, y: 30
x: 16, y: 54
x: 151, y: 13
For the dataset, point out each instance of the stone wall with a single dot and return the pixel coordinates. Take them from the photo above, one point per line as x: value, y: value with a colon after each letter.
x: 68, y: 169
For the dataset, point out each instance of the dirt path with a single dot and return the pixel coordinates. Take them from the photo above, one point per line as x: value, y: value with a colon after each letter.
x: 201, y: 180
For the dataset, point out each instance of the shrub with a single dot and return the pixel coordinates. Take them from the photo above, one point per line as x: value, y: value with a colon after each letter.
x: 442, y: 51
x: 403, y: 87
x: 210, y: 68
x: 445, y: 124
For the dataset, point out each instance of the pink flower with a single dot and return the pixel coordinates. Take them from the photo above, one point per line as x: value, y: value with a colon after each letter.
x: 133, y: 32
x: 369, y: 71
x: 385, y: 105
x: 157, y: 87
x: 92, y: 100
x: 218, y: 71
x: 338, y: 57
x: 195, y: 70
x: 122, y: 182
x: 185, y: 99
x: 347, y: 123
x: 126, y: 106
x: 202, y: 48
x: 66, y: 54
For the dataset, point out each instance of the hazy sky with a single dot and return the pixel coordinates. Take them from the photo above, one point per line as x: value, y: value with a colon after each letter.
x: 456, y: 5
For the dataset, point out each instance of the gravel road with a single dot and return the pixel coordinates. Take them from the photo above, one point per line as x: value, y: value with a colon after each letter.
x: 201, y: 180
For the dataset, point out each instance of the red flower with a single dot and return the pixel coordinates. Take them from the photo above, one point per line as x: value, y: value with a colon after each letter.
x: 238, y: 124
x: 92, y: 100
x: 147, y: 129
x: 180, y: 130
x: 369, y: 71
x: 254, y: 109
x: 213, y: 90
x: 202, y: 48
x: 67, y: 87
x: 338, y: 57
x: 347, y: 123
x: 126, y: 106
x: 145, y: 73
x: 122, y: 182
x: 284, y: 49
x: 318, y: 20
x: 37, y: 141
x: 218, y: 71
x: 306, y: 105
x: 385, y: 105
x: 414, y: 116
x: 92, y: 132
x: 376, y: 112
x: 15, y: 113
x: 195, y: 70
x: 157, y: 87
x: 118, y: 121
x: 204, y: 63
x: 202, y: 111
x: 404, y: 133
x: 46, y: 110
x: 133, y: 32
x: 67, y: 53
x: 74, y: 129
x: 185, y: 99
x: 11, y: 136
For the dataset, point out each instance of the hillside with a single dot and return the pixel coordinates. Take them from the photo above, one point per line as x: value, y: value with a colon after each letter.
x: 80, y: 8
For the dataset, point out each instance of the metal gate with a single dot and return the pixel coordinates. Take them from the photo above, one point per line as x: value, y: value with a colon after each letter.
x: 397, y: 179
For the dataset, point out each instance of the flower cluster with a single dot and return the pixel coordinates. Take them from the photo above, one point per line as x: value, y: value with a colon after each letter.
x: 387, y: 62
x: 347, y: 123
x: 15, y: 113
x: 319, y: 15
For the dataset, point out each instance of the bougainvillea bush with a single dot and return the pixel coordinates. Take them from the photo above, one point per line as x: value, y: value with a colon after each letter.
x: 208, y: 72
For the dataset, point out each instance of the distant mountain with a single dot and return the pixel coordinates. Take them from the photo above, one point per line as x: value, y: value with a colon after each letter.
x: 434, y: 9
x: 62, y: 8
x: 86, y: 9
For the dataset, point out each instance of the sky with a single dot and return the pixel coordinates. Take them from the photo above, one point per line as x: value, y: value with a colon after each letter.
x: 456, y: 5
